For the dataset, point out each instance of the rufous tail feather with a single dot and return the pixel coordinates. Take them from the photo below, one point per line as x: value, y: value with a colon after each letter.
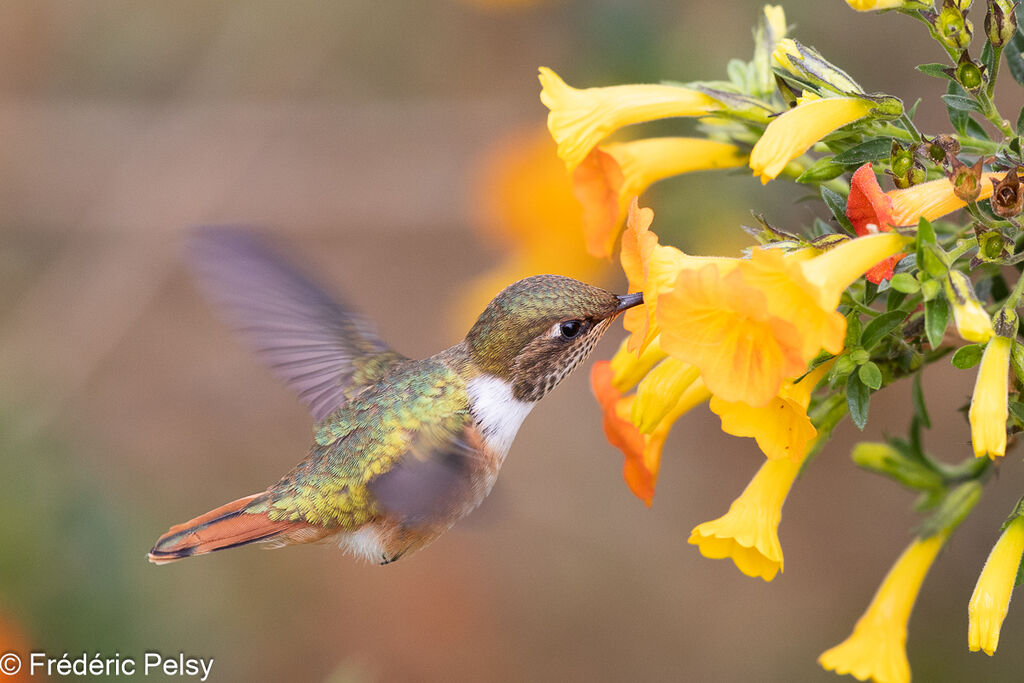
x: 225, y: 527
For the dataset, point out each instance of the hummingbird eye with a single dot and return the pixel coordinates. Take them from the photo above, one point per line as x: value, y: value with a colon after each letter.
x: 570, y: 328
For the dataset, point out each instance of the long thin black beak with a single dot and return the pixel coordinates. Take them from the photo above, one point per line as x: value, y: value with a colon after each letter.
x: 628, y: 301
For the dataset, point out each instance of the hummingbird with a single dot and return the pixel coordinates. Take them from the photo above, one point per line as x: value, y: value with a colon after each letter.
x: 402, y: 448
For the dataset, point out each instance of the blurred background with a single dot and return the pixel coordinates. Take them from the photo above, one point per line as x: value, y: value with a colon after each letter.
x: 398, y: 149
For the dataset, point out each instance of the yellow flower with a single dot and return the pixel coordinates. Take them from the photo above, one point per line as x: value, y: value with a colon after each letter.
x: 749, y: 532
x: 972, y: 322
x: 756, y: 324
x: 522, y: 202
x: 652, y: 269
x: 781, y: 427
x: 991, y: 598
x: 877, y: 647
x: 989, y: 408
x: 879, y: 5
x: 793, y: 132
x: 932, y: 200
x: 579, y: 119
x: 611, y: 175
x: 642, y: 449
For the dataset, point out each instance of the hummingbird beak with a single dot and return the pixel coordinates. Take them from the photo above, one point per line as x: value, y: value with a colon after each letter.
x: 628, y: 301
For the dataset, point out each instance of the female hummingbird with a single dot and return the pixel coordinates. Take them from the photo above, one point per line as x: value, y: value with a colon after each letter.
x: 402, y: 448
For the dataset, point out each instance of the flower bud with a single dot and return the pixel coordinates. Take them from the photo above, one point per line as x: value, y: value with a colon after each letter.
x: 807, y: 64
x: 968, y: 74
x: 972, y: 322
x: 1000, y: 22
x: 1007, y: 199
x: 992, y: 245
x: 954, y: 30
x: 891, y: 462
x: 942, y: 147
x: 900, y: 159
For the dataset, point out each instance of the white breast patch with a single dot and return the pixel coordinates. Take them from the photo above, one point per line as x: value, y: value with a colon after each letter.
x: 498, y: 413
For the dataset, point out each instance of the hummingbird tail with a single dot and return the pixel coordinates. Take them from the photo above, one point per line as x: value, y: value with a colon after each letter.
x: 225, y: 527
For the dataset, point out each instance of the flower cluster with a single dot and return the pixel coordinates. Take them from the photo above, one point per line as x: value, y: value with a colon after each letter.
x: 787, y: 339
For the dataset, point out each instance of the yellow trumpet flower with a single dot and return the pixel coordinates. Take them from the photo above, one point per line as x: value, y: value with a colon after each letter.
x: 581, y: 118
x: 989, y: 408
x: 611, y: 175
x: 991, y: 598
x: 793, y: 132
x: 877, y: 647
x: 748, y: 533
x: 781, y: 427
x: 932, y: 200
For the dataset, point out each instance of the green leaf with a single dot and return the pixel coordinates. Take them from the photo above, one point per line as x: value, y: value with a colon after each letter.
x: 877, y: 329
x: 871, y: 376
x: 905, y: 283
x: 957, y: 117
x: 1017, y: 408
x: 988, y: 56
x: 936, y: 318
x: 920, y: 409
x: 1012, y: 52
x: 837, y: 203
x: 961, y: 103
x: 935, y: 70
x: 1020, y: 574
x: 858, y: 396
x: 738, y: 74
x: 895, y: 298
x: 925, y: 231
x: 853, y: 329
x: 869, y: 150
x: 966, y: 357
x: 1020, y: 120
x: 821, y: 171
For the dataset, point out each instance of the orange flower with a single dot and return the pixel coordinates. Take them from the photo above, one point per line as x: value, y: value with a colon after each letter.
x: 611, y: 175
x: 642, y: 444
x: 870, y: 211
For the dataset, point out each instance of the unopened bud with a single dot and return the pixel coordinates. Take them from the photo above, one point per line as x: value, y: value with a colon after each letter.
x: 900, y: 160
x: 807, y: 64
x: 953, y: 28
x: 972, y: 322
x: 992, y: 244
x: 1007, y: 198
x: 968, y: 74
x: 885, y: 459
x: 1000, y: 22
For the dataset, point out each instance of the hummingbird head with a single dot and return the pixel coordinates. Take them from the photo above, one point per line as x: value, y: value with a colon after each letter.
x: 537, y: 330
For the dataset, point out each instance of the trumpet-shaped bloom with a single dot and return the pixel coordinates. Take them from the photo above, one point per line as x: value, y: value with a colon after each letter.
x: 793, y: 132
x: 581, y: 118
x: 611, y: 175
x: 781, y: 427
x: 870, y: 211
x: 989, y: 408
x: 642, y: 449
x: 652, y: 269
x: 749, y: 532
x: 932, y: 200
x: 991, y: 598
x: 877, y: 647
x: 759, y: 324
x: 972, y: 322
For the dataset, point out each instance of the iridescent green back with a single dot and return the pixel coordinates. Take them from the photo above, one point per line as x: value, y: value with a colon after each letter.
x: 419, y: 407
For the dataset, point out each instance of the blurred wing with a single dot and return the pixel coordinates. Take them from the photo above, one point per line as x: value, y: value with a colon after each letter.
x: 310, y: 341
x: 434, y: 480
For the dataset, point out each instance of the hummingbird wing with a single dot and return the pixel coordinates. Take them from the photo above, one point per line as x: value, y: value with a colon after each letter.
x: 406, y: 449
x: 317, y: 346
